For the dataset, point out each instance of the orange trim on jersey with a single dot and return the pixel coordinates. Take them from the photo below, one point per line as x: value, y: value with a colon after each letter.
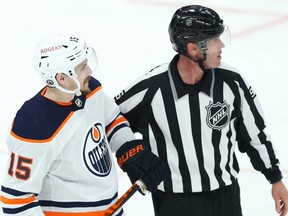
x: 116, y: 122
x: 93, y: 92
x: 64, y: 103
x: 102, y: 213
x: 98, y: 213
x: 17, y: 201
x: 44, y: 91
x: 60, y: 103
x: 45, y: 140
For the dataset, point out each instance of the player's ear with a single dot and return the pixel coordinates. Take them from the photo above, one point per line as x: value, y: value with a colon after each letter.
x: 60, y: 77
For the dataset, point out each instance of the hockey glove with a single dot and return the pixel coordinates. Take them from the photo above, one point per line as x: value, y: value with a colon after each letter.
x: 139, y: 162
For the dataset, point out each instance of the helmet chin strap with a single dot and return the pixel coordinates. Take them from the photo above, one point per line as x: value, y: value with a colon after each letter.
x: 77, y: 91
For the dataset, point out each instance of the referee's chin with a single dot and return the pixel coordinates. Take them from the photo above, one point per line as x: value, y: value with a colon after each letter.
x: 215, y: 64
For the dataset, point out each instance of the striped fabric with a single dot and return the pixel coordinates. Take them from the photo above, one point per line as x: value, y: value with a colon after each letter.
x: 195, y: 129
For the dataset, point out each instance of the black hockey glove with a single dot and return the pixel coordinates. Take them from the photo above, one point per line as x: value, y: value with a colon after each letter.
x: 139, y: 162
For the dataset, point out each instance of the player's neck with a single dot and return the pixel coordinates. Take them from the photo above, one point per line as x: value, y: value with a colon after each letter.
x: 58, y: 96
x: 189, y: 71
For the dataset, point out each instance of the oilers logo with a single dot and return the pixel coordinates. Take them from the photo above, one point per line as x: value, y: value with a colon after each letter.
x: 95, y: 153
x: 218, y: 115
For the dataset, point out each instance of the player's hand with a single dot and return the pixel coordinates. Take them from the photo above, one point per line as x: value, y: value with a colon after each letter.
x: 140, y: 163
x: 280, y: 196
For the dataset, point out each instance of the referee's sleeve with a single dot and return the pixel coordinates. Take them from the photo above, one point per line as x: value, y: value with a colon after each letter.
x: 252, y: 136
x: 131, y: 103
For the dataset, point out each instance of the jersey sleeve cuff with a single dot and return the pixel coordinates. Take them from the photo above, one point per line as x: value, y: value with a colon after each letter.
x: 273, y: 175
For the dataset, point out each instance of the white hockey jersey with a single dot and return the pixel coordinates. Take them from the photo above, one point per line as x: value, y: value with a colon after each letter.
x: 60, y: 156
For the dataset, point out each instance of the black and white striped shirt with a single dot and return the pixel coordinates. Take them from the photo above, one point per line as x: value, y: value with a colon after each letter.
x: 196, y: 128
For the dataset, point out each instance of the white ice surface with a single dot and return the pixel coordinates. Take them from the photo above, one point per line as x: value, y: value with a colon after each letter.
x: 130, y: 37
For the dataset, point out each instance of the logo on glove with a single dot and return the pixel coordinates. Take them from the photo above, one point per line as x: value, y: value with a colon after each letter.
x: 129, y: 154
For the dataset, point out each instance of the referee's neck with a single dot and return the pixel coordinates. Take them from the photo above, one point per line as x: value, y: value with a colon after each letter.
x: 189, y: 71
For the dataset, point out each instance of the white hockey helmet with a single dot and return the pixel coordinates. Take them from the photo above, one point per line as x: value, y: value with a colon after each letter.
x: 61, y: 54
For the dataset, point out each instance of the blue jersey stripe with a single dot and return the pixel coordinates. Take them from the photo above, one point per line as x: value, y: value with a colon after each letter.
x: 50, y: 203
x: 20, y: 209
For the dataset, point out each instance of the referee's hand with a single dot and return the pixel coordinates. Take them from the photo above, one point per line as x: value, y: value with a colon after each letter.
x: 280, y: 196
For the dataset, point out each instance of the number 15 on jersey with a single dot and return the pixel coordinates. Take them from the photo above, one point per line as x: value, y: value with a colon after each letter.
x: 19, y: 167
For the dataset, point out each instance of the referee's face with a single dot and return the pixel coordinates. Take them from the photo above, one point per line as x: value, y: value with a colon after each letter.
x: 214, y: 51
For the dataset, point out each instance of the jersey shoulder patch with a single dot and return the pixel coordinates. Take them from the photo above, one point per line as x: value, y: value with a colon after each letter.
x: 39, y: 118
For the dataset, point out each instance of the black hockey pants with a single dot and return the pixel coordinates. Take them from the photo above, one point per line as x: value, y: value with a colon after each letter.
x: 224, y: 201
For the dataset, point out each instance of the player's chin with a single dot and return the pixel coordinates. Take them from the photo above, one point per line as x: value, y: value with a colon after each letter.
x: 85, y: 87
x: 85, y: 91
x: 86, y: 83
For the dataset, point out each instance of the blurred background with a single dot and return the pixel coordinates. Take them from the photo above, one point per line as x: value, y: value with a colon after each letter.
x: 130, y: 38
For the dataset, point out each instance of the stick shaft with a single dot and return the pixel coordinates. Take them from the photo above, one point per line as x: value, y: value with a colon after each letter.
x: 123, y: 199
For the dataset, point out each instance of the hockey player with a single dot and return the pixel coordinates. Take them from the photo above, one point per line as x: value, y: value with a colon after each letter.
x: 195, y: 111
x: 62, y: 139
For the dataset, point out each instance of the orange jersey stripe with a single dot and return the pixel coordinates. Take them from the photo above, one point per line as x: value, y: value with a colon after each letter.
x: 60, y: 103
x: 98, y: 213
x: 116, y: 122
x: 17, y: 201
x: 46, y: 140
x: 61, y: 126
x: 112, y: 209
x: 94, y: 91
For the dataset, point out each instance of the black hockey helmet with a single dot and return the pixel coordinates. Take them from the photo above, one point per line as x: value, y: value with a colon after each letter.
x: 193, y: 23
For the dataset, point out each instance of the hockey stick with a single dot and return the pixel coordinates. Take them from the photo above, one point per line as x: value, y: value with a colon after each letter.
x: 112, y: 209
x: 123, y: 199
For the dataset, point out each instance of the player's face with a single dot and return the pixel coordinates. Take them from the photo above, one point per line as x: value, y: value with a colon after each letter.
x: 214, y: 51
x: 83, y: 72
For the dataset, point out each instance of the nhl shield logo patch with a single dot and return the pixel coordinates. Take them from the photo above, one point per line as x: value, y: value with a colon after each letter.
x: 218, y: 115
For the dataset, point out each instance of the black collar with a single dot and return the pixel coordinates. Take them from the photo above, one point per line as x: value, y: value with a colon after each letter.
x: 207, y: 82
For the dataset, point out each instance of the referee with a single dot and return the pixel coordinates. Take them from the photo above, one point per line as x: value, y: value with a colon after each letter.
x: 194, y: 112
